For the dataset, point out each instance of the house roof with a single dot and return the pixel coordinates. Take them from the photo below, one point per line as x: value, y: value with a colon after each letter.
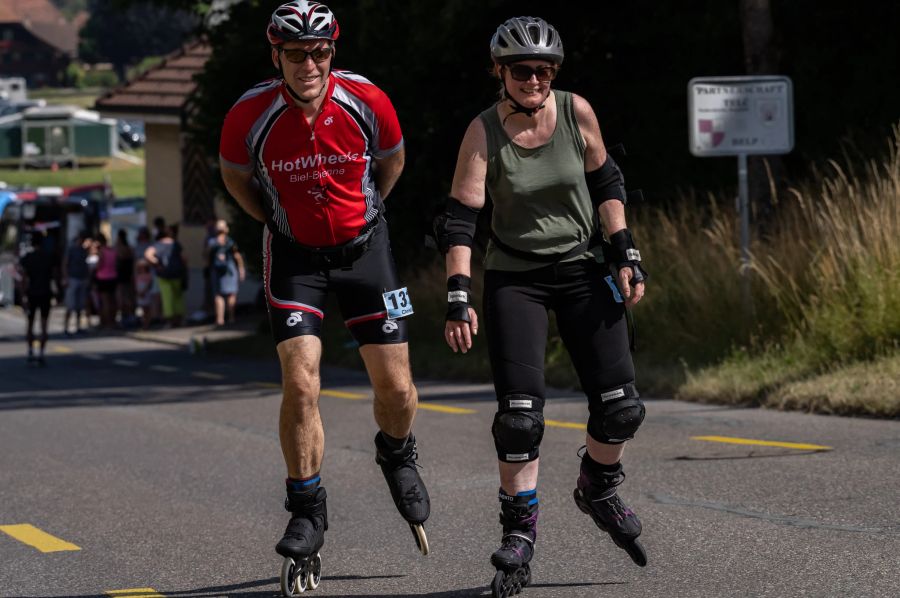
x: 162, y: 91
x: 19, y: 11
x: 45, y: 21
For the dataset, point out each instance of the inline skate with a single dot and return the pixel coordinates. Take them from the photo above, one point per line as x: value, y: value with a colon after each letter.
x: 407, y: 488
x: 596, y: 495
x: 518, y: 516
x: 303, y: 538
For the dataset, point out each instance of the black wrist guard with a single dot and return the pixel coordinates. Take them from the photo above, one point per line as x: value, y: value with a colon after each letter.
x: 620, y: 253
x: 459, y: 297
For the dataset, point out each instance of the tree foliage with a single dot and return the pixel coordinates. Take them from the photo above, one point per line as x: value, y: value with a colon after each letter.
x: 631, y: 60
x: 124, y: 35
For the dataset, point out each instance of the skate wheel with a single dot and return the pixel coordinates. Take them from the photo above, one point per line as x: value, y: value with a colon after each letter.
x: 315, y: 572
x: 637, y: 553
x: 418, y: 531
x: 289, y: 570
x: 500, y: 587
x: 526, y: 575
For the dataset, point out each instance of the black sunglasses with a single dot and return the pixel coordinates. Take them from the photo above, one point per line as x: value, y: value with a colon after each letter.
x: 298, y: 56
x: 523, y: 72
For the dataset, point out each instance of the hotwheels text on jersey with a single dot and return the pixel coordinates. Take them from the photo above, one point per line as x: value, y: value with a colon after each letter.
x: 312, y: 161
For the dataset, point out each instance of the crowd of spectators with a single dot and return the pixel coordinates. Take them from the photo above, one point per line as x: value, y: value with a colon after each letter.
x: 143, y: 285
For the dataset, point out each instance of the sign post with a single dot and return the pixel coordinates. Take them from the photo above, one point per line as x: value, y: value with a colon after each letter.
x: 741, y: 116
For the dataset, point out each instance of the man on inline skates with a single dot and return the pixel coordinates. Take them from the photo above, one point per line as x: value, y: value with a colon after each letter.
x: 312, y: 154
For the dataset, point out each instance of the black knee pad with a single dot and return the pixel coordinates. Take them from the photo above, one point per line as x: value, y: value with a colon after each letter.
x: 518, y: 428
x: 616, y: 414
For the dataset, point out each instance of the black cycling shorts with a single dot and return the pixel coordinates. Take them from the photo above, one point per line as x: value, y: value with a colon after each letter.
x: 591, y: 323
x: 296, y: 291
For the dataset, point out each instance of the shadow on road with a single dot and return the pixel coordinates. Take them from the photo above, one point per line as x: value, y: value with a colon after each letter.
x: 230, y: 592
x: 240, y: 590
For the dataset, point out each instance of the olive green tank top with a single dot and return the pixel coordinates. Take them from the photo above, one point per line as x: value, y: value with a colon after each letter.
x: 541, y: 200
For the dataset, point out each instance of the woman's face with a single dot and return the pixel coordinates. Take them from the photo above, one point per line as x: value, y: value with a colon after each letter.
x: 528, y: 81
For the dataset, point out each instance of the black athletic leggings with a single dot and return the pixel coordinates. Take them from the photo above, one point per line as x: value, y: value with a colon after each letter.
x: 592, y: 326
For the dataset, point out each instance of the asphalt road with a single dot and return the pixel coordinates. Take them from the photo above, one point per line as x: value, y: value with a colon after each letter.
x: 160, y: 473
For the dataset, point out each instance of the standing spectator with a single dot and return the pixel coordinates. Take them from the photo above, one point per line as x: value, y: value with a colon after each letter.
x: 168, y: 260
x: 142, y: 242
x: 105, y: 278
x: 226, y: 268
x: 208, y: 291
x: 125, y: 278
x: 143, y: 286
x: 76, y: 277
x: 37, y: 269
x: 145, y: 240
x: 159, y: 225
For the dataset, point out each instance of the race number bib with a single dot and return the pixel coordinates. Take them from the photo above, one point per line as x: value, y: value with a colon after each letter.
x: 398, y: 304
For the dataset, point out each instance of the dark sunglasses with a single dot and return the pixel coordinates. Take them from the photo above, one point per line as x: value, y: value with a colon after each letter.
x: 298, y: 56
x: 522, y: 72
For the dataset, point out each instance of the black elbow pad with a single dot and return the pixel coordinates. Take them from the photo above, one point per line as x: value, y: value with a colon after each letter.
x: 455, y: 225
x: 606, y: 183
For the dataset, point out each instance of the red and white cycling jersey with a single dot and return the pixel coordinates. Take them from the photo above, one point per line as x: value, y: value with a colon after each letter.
x: 318, y: 181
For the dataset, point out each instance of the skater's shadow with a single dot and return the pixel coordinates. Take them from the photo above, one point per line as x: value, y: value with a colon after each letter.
x: 242, y: 590
x: 477, y: 592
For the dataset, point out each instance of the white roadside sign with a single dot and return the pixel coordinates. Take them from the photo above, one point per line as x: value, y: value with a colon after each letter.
x: 730, y: 116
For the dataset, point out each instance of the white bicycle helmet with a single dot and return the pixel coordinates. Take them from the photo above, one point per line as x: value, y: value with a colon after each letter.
x: 526, y: 38
x: 302, y: 20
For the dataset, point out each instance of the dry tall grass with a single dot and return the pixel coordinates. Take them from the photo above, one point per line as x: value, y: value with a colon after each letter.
x: 830, y: 268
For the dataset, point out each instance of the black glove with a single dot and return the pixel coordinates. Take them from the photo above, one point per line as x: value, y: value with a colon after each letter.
x: 459, y: 296
x: 620, y: 253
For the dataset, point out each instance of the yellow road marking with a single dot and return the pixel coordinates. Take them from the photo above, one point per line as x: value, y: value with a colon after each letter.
x: 749, y: 441
x: 342, y: 395
x: 28, y: 534
x: 446, y: 409
x: 558, y: 424
x: 134, y: 593
x: 208, y: 375
x: 62, y: 349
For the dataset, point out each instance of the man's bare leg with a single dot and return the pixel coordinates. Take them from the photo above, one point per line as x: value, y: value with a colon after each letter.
x: 300, y: 426
x: 396, y: 451
x: 395, y: 394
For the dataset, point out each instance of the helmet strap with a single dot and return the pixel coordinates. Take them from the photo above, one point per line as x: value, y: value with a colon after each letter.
x: 519, y: 108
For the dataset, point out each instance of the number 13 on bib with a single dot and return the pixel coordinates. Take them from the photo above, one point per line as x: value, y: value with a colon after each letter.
x: 398, y: 303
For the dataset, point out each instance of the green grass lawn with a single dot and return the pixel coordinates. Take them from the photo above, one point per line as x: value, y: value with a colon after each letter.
x: 127, y: 179
x: 83, y: 98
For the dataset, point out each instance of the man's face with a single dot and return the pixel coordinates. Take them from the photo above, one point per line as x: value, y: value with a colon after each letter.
x: 297, y: 61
